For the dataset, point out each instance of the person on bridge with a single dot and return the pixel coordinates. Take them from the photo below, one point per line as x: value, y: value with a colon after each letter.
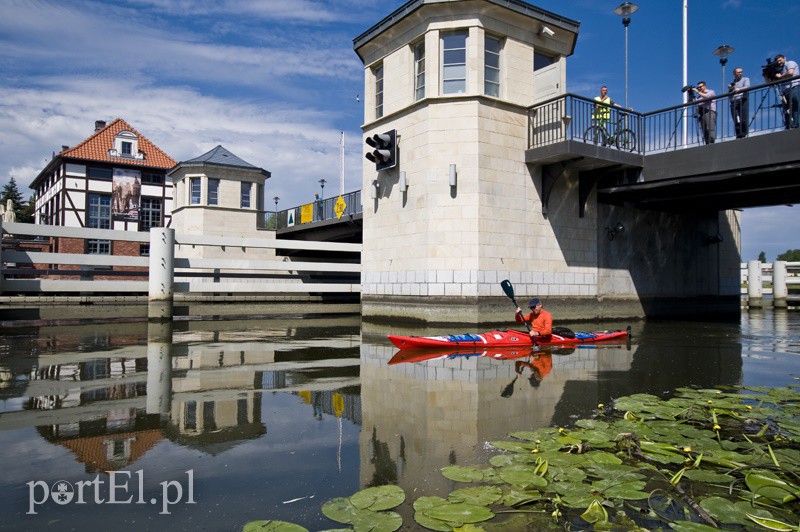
x: 790, y: 91
x: 541, y: 321
x: 708, y: 112
x: 740, y: 112
x: 602, y: 114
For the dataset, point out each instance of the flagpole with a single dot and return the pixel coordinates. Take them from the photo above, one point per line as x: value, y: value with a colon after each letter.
x: 685, y: 68
x: 341, y: 179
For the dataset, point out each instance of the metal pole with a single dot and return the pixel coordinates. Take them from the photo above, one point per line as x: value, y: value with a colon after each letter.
x: 685, y: 69
x: 626, y: 66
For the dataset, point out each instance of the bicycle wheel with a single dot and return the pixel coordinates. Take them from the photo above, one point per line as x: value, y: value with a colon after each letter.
x: 626, y: 140
x: 594, y: 135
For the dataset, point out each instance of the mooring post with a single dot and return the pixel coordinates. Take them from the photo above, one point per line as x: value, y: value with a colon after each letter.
x: 162, y: 274
x: 779, y: 289
x: 755, y: 289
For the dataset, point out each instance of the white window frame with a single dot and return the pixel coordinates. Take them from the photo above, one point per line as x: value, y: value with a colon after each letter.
x: 245, y: 195
x: 192, y: 197
x: 377, y: 71
x: 487, y: 54
x: 463, y: 64
x: 212, y: 195
x: 419, y: 70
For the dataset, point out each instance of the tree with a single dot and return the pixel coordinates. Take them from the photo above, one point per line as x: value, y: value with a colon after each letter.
x: 791, y: 255
x: 762, y: 257
x: 11, y: 192
x: 25, y: 215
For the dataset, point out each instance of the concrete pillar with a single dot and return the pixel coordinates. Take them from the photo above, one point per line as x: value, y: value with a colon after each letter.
x: 779, y: 289
x: 159, y: 367
x: 755, y: 291
x: 162, y: 273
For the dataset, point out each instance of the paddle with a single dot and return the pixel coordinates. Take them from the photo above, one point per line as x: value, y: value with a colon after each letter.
x: 509, y: 290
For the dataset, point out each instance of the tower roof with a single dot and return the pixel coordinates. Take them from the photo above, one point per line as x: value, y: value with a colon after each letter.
x: 219, y: 156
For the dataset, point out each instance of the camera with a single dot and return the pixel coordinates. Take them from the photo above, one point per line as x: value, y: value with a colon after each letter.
x: 771, y: 69
x: 689, y: 87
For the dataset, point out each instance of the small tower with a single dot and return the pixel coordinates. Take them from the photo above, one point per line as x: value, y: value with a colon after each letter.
x: 218, y: 194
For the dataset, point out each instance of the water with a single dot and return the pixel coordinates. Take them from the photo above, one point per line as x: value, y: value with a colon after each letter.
x: 271, y: 418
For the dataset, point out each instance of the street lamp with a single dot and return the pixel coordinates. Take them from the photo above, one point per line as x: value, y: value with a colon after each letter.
x: 625, y: 10
x: 322, y: 188
x: 276, y: 199
x: 723, y: 52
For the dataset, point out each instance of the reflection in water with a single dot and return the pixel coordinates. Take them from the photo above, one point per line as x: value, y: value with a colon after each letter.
x: 277, y: 417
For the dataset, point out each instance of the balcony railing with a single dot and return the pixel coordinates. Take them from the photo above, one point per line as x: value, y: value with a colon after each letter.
x: 576, y: 118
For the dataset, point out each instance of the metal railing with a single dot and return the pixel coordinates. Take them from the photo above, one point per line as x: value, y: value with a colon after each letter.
x: 764, y: 109
x: 317, y: 211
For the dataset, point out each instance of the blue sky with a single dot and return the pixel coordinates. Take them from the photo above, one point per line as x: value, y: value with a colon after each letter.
x: 275, y: 81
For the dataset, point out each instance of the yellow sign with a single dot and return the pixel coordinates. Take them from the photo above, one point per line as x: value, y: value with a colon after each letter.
x: 306, y: 213
x: 339, y: 208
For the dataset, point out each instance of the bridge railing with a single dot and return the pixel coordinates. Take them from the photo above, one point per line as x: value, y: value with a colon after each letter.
x: 577, y: 118
x: 574, y: 117
x: 319, y: 210
x: 763, y: 110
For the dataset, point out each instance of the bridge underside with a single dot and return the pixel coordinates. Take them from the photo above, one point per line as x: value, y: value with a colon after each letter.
x: 759, y: 171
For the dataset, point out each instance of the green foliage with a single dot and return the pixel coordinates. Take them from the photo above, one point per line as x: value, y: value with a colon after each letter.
x: 11, y: 192
x: 762, y: 257
x: 790, y: 255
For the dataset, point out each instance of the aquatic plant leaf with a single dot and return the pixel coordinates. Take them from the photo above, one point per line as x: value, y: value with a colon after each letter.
x: 569, y: 474
x: 766, y: 484
x: 463, y: 474
x: 513, y: 446
x: 772, y: 524
x: 340, y: 510
x: 435, y: 524
x: 369, y: 521
x: 594, y: 513
x: 480, y: 495
x: 378, y: 498
x: 607, y: 484
x: 461, y: 512
x: 689, y: 526
x: 728, y: 512
x: 426, y: 503
x: 603, y: 458
x: 523, y: 476
x: 580, y: 500
x: 592, y: 424
x: 700, y: 475
x: 517, y: 498
x: 272, y: 526
x: 625, y: 494
x: 501, y: 460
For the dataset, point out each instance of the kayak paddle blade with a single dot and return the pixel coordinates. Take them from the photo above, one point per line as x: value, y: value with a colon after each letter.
x: 509, y: 290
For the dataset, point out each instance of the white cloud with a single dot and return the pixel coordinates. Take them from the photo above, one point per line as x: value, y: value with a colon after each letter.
x: 299, y: 145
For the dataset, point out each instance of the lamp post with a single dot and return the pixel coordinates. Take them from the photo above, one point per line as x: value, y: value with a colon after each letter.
x: 276, y: 199
x: 723, y: 52
x: 322, y: 188
x: 625, y: 10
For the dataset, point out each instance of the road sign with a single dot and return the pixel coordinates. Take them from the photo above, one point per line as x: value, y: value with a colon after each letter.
x: 339, y: 208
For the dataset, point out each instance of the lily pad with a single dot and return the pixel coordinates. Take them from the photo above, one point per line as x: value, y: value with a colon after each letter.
x: 699, y: 475
x: 517, y: 498
x: 523, y: 476
x: 462, y: 474
x: 728, y: 512
x: 461, y: 512
x: 480, y: 495
x: 369, y: 521
x: 604, y: 458
x: 595, y: 513
x: 378, y: 498
x: 513, y: 446
x: 272, y: 526
x: 340, y: 510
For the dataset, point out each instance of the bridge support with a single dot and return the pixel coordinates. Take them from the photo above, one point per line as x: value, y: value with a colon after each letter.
x: 755, y: 286
x: 159, y: 367
x: 779, y: 289
x: 161, y: 289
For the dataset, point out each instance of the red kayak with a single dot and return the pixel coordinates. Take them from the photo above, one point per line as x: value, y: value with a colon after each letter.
x: 422, y: 354
x: 503, y: 338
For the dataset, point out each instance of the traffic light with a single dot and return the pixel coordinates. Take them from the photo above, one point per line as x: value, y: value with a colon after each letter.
x: 384, y: 150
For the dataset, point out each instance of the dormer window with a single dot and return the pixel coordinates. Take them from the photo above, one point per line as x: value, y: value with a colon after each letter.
x: 126, y: 144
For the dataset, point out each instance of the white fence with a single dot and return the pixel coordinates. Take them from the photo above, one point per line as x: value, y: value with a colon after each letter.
x: 774, y: 279
x: 194, y: 275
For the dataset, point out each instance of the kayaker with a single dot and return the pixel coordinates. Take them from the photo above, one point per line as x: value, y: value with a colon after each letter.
x: 541, y: 321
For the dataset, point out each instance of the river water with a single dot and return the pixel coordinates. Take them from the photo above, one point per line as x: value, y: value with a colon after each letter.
x: 208, y: 425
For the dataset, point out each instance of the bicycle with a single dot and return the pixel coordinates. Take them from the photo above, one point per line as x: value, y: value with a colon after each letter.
x: 623, y: 138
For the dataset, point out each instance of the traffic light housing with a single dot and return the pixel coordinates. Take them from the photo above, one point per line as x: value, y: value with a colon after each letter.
x: 383, y: 150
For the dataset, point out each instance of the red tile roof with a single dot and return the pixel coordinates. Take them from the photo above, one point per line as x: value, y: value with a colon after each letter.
x: 95, y: 148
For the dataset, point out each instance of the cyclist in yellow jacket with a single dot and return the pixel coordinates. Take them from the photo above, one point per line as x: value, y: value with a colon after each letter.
x: 602, y: 114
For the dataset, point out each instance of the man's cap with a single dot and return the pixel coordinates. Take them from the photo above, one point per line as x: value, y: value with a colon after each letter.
x: 533, y: 302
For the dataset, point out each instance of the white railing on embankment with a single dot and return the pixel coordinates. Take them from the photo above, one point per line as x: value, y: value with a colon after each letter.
x: 775, y: 279
x: 167, y: 272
